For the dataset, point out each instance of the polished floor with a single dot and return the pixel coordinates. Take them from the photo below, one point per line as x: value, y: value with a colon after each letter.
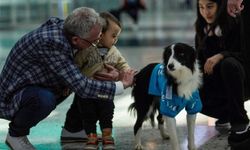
x: 140, y: 44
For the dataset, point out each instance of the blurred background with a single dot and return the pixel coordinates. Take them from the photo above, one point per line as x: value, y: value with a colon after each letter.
x: 161, y: 23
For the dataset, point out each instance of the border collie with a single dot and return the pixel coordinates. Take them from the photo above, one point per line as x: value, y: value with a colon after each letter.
x: 168, y: 87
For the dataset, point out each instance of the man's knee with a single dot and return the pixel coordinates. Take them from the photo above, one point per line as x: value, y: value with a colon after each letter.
x: 46, y: 100
x: 39, y: 98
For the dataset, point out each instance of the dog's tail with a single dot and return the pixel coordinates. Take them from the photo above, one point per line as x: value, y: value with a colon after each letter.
x: 131, y: 109
x: 150, y: 115
x: 143, y: 102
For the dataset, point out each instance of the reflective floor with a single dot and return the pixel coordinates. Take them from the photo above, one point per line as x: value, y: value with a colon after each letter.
x: 140, y: 44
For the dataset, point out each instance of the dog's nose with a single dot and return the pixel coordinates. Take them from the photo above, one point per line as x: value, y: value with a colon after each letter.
x: 171, y: 67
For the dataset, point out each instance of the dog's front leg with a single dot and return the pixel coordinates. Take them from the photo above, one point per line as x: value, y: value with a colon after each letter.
x: 171, y: 127
x: 191, y: 126
x: 163, y: 130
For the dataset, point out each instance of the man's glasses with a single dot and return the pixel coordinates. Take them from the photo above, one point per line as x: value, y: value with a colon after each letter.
x: 94, y: 43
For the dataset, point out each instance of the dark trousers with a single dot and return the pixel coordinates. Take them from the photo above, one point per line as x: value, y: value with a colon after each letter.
x: 230, y: 79
x: 74, y: 121
x: 36, y: 104
x: 84, y: 114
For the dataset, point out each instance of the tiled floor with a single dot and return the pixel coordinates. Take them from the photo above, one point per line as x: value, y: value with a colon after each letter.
x: 140, y: 46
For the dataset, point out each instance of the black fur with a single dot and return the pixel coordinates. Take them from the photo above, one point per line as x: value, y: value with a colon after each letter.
x: 142, y: 99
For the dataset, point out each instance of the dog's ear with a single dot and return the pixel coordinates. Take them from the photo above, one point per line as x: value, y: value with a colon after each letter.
x: 166, y: 54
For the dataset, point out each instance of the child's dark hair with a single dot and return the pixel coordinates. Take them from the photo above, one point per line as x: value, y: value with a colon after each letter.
x: 108, y: 16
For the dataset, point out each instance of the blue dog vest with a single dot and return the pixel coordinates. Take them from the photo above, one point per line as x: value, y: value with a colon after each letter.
x: 171, y: 104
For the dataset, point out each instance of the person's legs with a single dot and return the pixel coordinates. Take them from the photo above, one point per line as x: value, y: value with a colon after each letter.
x: 73, y: 122
x: 106, y: 112
x: 36, y: 101
x: 246, y: 17
x: 133, y: 13
x: 214, y: 96
x: 89, y: 114
x: 233, y: 76
x: 73, y: 129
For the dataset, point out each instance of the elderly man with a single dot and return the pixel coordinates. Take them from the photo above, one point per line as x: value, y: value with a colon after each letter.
x: 40, y: 68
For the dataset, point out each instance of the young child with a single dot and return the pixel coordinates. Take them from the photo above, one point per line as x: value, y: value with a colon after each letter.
x: 92, y: 62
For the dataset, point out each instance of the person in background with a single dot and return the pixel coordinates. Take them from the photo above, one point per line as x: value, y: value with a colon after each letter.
x: 40, y: 68
x: 91, y: 62
x: 186, y: 4
x: 221, y: 49
x: 235, y: 8
x: 131, y: 7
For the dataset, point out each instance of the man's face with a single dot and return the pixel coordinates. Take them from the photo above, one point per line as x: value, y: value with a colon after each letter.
x: 92, y: 40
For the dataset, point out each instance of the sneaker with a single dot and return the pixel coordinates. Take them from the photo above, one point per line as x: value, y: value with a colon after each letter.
x: 73, y: 137
x: 92, y: 143
x: 222, y: 126
x: 108, y: 143
x: 240, y: 140
x: 19, y: 143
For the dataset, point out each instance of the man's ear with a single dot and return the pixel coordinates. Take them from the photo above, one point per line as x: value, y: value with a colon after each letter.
x: 74, y: 40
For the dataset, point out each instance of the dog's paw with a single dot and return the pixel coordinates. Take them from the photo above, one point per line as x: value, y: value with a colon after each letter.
x: 163, y: 132
x: 138, y: 147
x: 165, y: 136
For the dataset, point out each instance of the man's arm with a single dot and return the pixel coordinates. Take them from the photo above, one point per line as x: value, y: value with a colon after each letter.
x: 112, y: 74
x: 63, y: 66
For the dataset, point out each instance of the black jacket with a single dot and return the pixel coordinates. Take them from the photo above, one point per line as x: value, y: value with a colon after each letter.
x: 230, y: 44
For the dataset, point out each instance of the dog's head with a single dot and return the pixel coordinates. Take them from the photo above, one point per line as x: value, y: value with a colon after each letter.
x: 179, y: 59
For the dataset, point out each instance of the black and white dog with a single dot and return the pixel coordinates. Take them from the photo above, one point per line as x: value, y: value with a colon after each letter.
x: 168, y: 88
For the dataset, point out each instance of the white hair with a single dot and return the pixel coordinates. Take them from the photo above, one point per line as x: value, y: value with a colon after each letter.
x: 81, y: 21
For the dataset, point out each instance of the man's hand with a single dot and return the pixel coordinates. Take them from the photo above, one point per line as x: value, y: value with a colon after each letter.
x: 108, y: 74
x: 127, y: 77
x: 234, y: 7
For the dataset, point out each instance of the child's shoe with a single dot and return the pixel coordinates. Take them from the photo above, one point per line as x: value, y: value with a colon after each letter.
x: 107, y: 139
x: 108, y: 143
x: 92, y: 143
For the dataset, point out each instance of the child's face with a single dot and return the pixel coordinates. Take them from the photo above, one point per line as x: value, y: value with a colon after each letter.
x: 208, y: 10
x: 110, y: 37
